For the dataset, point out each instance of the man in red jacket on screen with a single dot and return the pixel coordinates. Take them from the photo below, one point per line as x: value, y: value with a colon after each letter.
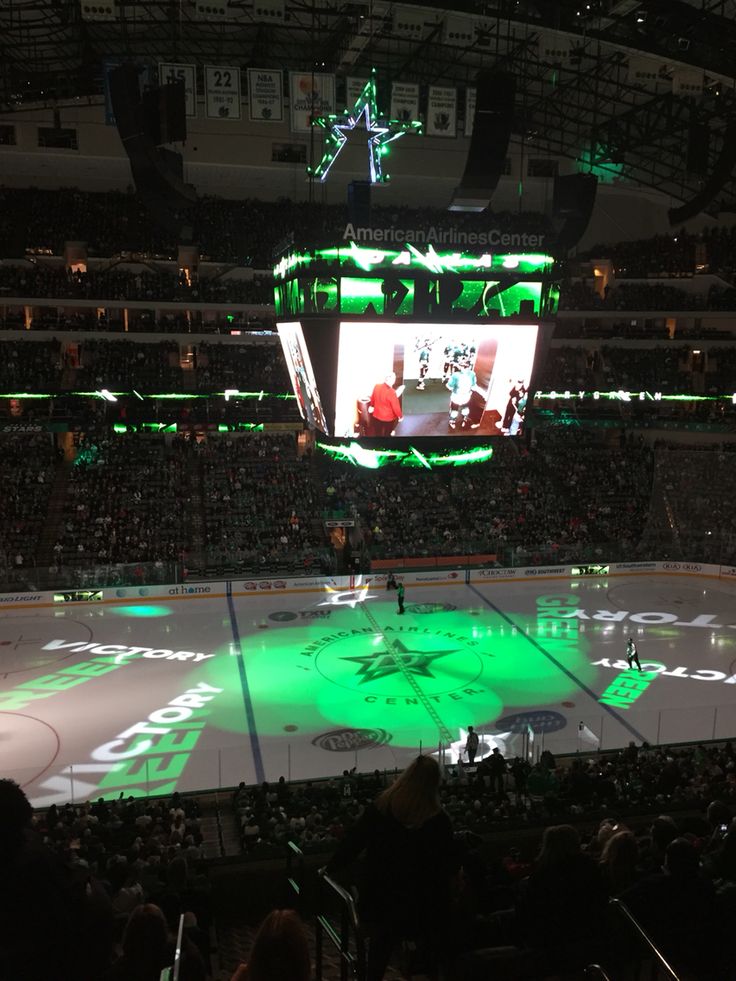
x: 385, y: 406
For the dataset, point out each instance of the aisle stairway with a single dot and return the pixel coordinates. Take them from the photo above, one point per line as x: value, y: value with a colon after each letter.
x: 54, y: 517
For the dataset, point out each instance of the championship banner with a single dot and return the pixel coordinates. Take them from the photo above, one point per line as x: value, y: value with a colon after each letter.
x: 471, y: 96
x: 686, y: 82
x: 442, y: 111
x: 405, y: 102
x: 169, y: 72
x: 643, y: 71
x: 266, y: 95
x: 222, y: 92
x: 353, y: 89
x: 310, y: 96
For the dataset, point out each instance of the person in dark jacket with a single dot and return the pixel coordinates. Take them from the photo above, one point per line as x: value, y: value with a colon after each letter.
x: 407, y: 841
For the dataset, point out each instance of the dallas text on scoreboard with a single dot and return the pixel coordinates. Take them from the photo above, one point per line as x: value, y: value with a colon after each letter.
x: 414, y: 281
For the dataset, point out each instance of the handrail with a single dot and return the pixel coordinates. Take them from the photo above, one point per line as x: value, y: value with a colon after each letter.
x: 596, y: 973
x: 295, y: 877
x: 350, y: 962
x: 643, y: 935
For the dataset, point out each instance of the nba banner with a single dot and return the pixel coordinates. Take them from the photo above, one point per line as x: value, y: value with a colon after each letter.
x: 310, y: 96
x: 266, y: 95
x: 352, y: 90
x: 442, y: 111
x: 405, y: 102
x: 222, y: 92
x: 168, y: 73
x: 470, y: 99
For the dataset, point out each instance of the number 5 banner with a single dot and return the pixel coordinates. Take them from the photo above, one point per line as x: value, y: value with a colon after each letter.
x: 168, y: 73
x: 222, y: 92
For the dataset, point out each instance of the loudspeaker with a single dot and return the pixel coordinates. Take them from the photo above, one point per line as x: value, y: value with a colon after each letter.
x: 125, y: 96
x: 157, y: 174
x: 494, y: 117
x: 698, y: 145
x: 165, y: 114
x: 573, y: 198
x: 359, y: 203
x: 722, y: 171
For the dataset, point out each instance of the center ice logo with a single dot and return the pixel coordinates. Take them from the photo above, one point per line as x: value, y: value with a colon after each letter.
x: 399, y: 660
x: 404, y: 665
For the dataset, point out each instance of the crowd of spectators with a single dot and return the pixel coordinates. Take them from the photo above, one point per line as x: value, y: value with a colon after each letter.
x: 263, y: 512
x: 126, y: 364
x: 695, y: 523
x: 713, y: 250
x: 28, y: 466
x: 245, y: 232
x: 127, y: 501
x: 650, y: 826
x: 251, y: 368
x: 568, y: 497
x: 78, y: 877
x: 119, y: 283
x: 32, y: 367
x: 255, y: 505
x: 138, y: 321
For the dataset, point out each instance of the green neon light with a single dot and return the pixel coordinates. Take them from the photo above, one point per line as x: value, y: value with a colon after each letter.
x: 374, y: 459
x: 25, y: 395
x: 379, y: 130
x: 172, y: 427
x: 623, y: 396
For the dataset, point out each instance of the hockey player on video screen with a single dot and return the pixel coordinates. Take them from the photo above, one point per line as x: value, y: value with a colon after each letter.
x: 423, y: 347
x: 461, y: 384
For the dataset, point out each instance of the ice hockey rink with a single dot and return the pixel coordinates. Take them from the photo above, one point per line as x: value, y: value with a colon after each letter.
x: 150, y: 690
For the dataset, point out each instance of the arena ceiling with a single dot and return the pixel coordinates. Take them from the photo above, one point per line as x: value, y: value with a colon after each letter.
x: 616, y: 82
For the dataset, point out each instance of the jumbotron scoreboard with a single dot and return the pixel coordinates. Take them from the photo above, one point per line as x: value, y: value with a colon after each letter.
x: 455, y: 334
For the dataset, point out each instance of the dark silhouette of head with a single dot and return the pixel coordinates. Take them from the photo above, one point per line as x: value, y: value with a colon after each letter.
x: 414, y: 797
x: 15, y: 815
x: 280, y: 950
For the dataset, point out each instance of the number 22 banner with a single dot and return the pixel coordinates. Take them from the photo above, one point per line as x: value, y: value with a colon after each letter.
x: 222, y: 92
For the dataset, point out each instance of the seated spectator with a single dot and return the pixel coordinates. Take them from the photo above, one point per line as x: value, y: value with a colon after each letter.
x: 280, y: 951
x: 148, y: 947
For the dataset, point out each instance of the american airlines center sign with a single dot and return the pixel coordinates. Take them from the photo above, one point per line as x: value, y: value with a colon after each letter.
x: 441, y: 236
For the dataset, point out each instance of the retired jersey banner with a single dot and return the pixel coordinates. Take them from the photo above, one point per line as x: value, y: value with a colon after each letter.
x: 471, y: 96
x: 266, y: 95
x: 405, y: 102
x: 441, y: 111
x: 352, y: 90
x: 222, y: 92
x: 169, y: 72
x: 310, y: 96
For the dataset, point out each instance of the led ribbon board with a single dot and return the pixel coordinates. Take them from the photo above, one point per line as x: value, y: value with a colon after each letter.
x: 379, y: 130
x: 413, y: 281
x: 374, y: 459
x: 368, y: 259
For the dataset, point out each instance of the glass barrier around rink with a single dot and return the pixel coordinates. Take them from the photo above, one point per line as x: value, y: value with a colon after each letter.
x: 345, y: 752
x: 33, y: 579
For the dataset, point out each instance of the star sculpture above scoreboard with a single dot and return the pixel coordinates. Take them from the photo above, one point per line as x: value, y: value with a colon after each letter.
x: 379, y: 130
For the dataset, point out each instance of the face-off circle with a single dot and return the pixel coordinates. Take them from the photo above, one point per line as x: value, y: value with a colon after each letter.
x: 22, y: 642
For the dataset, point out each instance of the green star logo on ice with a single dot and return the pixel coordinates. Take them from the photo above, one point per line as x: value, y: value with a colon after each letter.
x: 403, y: 659
x: 397, y: 662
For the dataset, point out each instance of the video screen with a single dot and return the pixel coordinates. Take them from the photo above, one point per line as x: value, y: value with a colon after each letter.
x: 410, y: 380
x: 302, y: 375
